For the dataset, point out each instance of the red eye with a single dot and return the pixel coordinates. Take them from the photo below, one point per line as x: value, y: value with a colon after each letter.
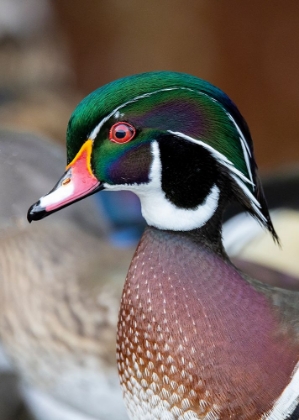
x: 121, y: 132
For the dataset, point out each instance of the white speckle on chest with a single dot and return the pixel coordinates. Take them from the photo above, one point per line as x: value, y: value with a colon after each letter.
x: 154, y: 380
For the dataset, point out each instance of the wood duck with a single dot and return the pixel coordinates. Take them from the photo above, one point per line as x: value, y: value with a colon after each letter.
x: 197, y: 338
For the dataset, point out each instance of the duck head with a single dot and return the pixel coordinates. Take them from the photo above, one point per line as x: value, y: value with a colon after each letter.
x: 175, y: 140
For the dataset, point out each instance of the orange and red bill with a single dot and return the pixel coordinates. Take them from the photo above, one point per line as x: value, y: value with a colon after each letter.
x: 77, y: 182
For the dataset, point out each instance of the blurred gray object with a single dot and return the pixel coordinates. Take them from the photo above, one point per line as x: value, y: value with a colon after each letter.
x: 29, y: 167
x: 60, y: 286
x: 22, y: 18
x: 252, y: 249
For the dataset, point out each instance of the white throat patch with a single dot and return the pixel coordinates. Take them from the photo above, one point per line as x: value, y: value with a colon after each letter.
x: 158, y: 211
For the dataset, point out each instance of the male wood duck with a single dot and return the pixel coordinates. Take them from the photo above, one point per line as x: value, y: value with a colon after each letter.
x: 197, y: 339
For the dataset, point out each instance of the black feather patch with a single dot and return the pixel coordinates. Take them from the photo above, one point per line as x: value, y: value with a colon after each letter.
x: 188, y: 171
x: 260, y: 195
x: 294, y: 415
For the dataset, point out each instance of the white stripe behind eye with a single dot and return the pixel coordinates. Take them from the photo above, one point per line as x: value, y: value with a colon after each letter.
x: 246, y: 157
x: 217, y: 155
x: 115, y: 112
x: 240, y: 133
x: 244, y: 145
x: 255, y: 204
x: 237, y: 175
x: 245, y: 148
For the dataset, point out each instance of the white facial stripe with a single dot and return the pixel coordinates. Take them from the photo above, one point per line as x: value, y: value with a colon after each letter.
x: 223, y: 160
x: 255, y: 204
x: 236, y: 174
x: 242, y: 139
x: 158, y: 211
x: 96, y: 130
x: 244, y: 145
x: 288, y: 400
x: 217, y: 155
x: 58, y: 195
x: 246, y: 157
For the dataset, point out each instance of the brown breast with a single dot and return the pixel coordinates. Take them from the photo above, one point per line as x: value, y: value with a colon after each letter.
x: 194, y: 338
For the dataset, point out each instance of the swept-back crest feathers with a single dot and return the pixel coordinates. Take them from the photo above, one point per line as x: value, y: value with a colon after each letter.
x: 221, y: 130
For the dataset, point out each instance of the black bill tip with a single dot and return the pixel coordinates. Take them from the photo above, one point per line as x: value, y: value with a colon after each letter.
x: 36, y: 212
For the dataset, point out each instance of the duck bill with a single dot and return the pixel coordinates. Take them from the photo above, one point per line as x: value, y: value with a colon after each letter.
x: 77, y: 183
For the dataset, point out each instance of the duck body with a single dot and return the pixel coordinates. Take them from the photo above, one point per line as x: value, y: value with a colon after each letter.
x: 190, y: 339
x: 197, y: 339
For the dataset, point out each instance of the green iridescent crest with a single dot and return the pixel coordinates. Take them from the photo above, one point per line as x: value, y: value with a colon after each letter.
x: 204, y: 101
x: 162, y: 103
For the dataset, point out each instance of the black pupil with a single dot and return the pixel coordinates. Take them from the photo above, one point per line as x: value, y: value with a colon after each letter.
x: 120, y: 133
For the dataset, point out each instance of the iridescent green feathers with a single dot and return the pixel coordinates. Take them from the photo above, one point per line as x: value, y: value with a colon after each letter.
x: 183, y: 106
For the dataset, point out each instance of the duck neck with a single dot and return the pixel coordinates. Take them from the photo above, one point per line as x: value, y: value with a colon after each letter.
x: 209, y: 235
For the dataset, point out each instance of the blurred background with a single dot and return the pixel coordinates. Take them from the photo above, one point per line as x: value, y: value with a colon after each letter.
x: 54, y: 52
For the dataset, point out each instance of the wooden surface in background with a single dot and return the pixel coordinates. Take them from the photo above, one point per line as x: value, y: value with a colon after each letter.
x: 248, y: 48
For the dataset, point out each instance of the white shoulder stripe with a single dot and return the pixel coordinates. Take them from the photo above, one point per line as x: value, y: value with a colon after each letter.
x: 285, y: 405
